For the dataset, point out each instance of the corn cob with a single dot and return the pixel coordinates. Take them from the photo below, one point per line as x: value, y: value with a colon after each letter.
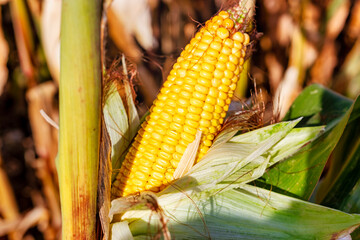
x: 195, y: 97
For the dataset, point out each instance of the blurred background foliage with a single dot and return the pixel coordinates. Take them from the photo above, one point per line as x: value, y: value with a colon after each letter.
x: 300, y: 43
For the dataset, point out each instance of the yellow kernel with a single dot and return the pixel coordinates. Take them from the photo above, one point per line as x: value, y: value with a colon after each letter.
x: 223, y: 14
x: 169, y: 177
x: 241, y: 61
x: 146, y: 167
x: 224, y: 88
x: 207, y: 39
x: 192, y: 74
x: 234, y: 79
x: 218, y: 73
x: 233, y: 86
x: 209, y: 59
x: 210, y: 100
x: 176, y: 66
x: 194, y: 110
x: 196, y: 67
x: 206, y: 74
x: 212, y: 129
x: 167, y: 148
x: 228, y: 74
x: 181, y: 110
x: 207, y: 66
x: 191, y: 123
x: 218, y: 109
x: 212, y: 52
x: 230, y: 66
x: 183, y: 102
x: 215, y: 122
x: 176, y: 126
x: 226, y: 81
x: 204, y: 130
x: 174, y: 163
x: 204, y: 82
x: 156, y: 136
x: 226, y: 50
x: 171, y: 103
x: 222, y: 95
x: 222, y: 33
x: 188, y: 137
x: 173, y: 72
x: 216, y: 45
x: 158, y: 168
x: 208, y: 107
x: 185, y: 94
x: 189, y: 129
x: 228, y: 23
x: 217, y: 19
x: 138, y: 182
x: 203, y: 46
x: 247, y: 39
x: 220, y: 102
x: 205, y: 123
x: 207, y: 143
x: 173, y: 95
x: 213, y: 92
x: 210, y: 136
x: 236, y: 52
x: 181, y: 72
x: 175, y: 88
x: 205, y: 115
x: 215, y: 82
x: 226, y: 107
x: 238, y: 45
x: 141, y: 176
x: 170, y: 140
x: 157, y: 175
x: 238, y: 36
x: 155, y: 182
x: 221, y: 66
x: 223, y: 57
x: 243, y: 53
x: 196, y: 103
x: 173, y: 134
x: 164, y: 155
x: 178, y: 119
x: 162, y: 162
x: 188, y: 87
x: 183, y: 143
x: 194, y: 117
x: 180, y: 149
x: 202, y: 89
x: 204, y: 149
x: 199, y: 96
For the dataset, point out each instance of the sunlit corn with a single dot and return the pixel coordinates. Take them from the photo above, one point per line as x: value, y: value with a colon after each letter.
x: 195, y: 97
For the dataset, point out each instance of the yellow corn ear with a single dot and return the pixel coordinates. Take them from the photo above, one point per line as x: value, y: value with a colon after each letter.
x: 195, y: 96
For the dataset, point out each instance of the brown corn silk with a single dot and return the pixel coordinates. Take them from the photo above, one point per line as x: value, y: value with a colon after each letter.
x: 195, y: 97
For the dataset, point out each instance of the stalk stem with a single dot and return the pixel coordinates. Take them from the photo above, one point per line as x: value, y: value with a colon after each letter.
x: 80, y: 106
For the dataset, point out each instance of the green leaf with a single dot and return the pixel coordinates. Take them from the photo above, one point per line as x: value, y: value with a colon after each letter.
x: 341, y: 187
x: 120, y: 124
x: 245, y: 213
x: 298, y: 175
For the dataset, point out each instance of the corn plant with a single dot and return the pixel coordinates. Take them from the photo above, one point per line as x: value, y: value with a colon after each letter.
x: 189, y: 172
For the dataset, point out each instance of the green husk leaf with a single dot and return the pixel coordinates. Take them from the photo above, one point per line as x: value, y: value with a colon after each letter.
x: 226, y: 157
x: 121, y: 125
x: 245, y: 213
x: 298, y: 175
x: 340, y: 188
x: 121, y: 230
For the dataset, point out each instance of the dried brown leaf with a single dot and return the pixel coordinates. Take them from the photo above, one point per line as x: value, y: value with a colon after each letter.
x: 4, y: 52
x: 50, y: 35
x: 45, y: 136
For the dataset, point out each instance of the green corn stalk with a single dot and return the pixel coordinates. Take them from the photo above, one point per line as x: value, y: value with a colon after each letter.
x: 80, y: 106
